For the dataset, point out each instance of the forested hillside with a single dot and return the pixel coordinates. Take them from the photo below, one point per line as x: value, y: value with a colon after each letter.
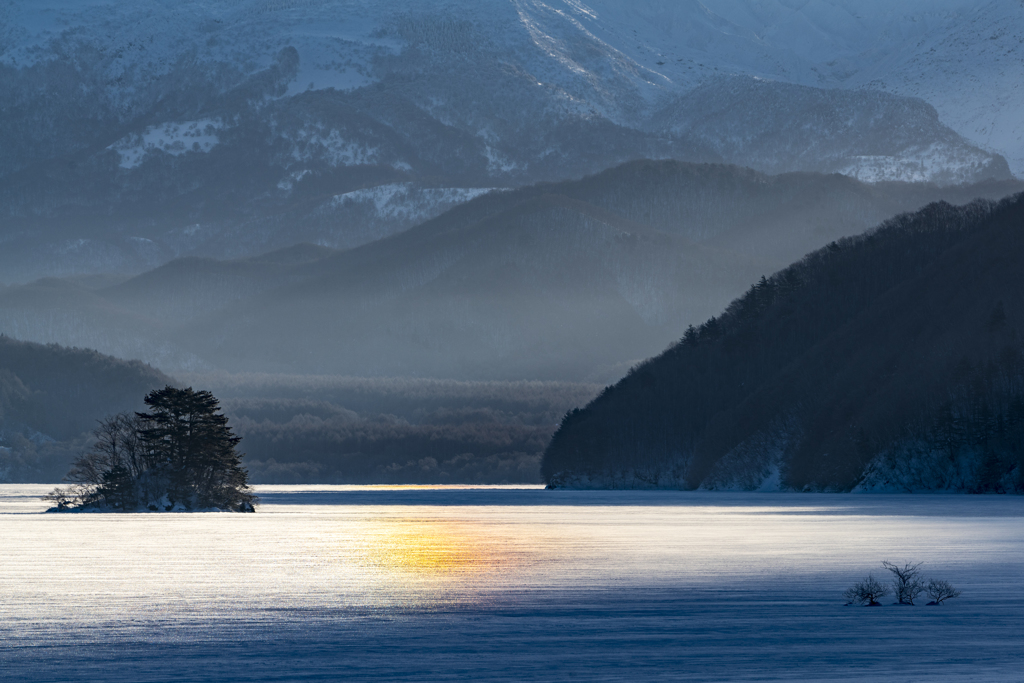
x: 51, y: 397
x: 295, y: 429
x: 344, y: 430
x: 888, y: 361
x: 570, y: 281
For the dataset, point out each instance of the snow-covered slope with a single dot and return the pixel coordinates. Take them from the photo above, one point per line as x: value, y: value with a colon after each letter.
x: 963, y: 57
x: 602, y: 57
x: 233, y: 127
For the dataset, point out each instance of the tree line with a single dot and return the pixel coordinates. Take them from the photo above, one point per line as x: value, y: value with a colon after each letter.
x: 355, y: 430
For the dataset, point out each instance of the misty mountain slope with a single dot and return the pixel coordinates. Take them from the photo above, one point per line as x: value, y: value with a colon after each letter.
x: 773, y: 218
x: 139, y: 133
x: 50, y: 396
x: 740, y: 209
x: 58, y: 311
x: 191, y: 287
x: 526, y: 291
x: 508, y: 298
x: 298, y: 254
x: 139, y: 317
x: 887, y: 361
x: 572, y: 280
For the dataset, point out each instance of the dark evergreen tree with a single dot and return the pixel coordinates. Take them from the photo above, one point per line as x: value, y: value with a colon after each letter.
x: 186, y: 437
x: 117, y: 489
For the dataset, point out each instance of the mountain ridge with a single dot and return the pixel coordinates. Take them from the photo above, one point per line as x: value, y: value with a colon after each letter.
x: 140, y: 134
x: 506, y: 286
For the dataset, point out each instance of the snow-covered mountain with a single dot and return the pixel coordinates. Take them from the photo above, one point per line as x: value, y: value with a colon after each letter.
x: 136, y: 132
x: 963, y: 57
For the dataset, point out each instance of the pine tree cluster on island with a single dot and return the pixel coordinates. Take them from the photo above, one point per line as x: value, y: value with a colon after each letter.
x: 179, y: 456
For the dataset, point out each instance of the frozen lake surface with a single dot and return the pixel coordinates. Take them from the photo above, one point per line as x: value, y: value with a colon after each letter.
x: 362, y: 583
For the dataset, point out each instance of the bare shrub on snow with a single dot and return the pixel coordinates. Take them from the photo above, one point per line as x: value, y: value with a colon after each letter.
x: 866, y: 592
x: 906, y: 581
x: 939, y: 591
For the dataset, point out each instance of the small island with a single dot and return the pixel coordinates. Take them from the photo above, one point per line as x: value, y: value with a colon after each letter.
x: 180, y: 456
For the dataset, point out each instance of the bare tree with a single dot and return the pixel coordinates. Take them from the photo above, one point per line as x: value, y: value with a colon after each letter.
x: 117, y: 445
x: 118, y: 450
x: 68, y: 497
x: 906, y: 581
x: 940, y: 591
x: 867, y: 592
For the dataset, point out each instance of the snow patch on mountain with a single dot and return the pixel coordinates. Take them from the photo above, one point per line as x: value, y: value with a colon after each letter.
x: 915, y: 465
x: 407, y: 202
x: 498, y: 162
x: 170, y: 138
x: 757, y: 463
x: 935, y: 163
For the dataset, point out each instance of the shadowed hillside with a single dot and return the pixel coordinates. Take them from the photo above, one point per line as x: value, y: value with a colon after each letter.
x: 893, y: 360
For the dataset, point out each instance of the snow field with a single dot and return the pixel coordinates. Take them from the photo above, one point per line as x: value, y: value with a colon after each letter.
x: 172, y: 138
x: 509, y: 584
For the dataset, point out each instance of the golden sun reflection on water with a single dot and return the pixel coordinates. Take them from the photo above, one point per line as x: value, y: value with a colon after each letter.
x: 430, y: 563
x: 433, y: 548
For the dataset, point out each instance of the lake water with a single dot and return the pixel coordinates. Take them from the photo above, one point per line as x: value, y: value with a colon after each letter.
x: 411, y: 584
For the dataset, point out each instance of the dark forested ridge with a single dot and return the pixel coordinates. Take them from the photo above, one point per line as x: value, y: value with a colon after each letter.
x: 889, y: 361
x: 50, y: 396
x: 569, y: 281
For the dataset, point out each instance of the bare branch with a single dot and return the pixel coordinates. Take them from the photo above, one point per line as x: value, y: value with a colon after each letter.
x: 906, y: 581
x: 939, y: 591
x: 867, y: 592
